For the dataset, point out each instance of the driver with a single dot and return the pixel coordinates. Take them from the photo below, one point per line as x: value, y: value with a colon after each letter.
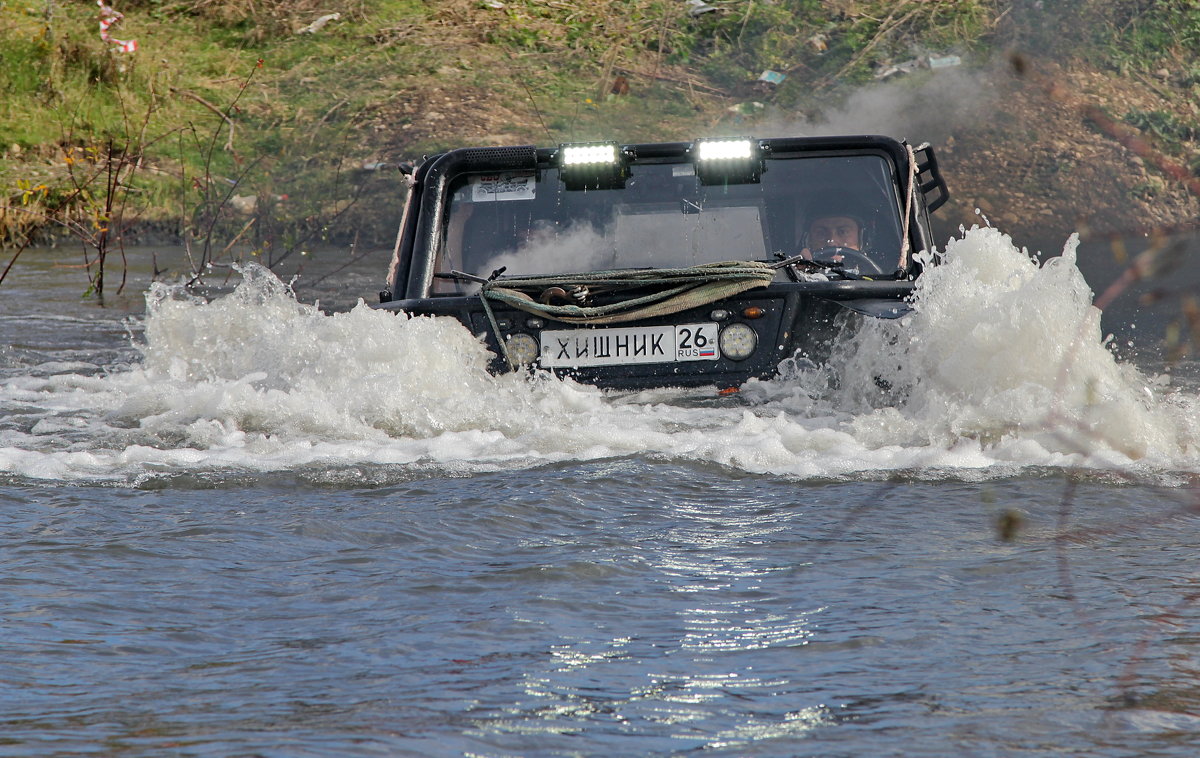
x: 836, y: 231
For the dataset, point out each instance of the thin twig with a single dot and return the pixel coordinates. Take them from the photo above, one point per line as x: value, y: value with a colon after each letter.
x: 344, y: 266
x: 329, y: 112
x: 536, y: 110
x: 690, y: 82
x: 228, y: 121
x: 884, y: 29
x: 21, y: 249
x: 238, y: 236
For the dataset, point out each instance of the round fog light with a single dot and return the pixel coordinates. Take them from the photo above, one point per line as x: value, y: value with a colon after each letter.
x: 522, y: 349
x: 738, y: 341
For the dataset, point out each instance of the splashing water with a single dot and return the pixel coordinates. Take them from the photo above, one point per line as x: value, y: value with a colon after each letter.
x: 1000, y: 366
x: 1009, y: 352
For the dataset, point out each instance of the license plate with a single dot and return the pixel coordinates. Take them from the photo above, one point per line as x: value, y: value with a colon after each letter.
x: 569, y: 348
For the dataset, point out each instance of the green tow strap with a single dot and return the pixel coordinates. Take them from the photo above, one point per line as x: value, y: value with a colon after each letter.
x: 653, y: 292
x: 512, y: 366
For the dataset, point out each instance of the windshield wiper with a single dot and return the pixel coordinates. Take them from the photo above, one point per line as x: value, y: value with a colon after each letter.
x: 462, y: 276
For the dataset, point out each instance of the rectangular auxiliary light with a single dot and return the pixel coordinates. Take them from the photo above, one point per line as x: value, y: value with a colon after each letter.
x: 598, y: 165
x: 727, y: 161
x: 573, y: 155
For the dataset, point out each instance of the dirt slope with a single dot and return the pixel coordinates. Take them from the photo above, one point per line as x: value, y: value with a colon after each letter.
x: 1048, y: 153
x: 1053, y: 156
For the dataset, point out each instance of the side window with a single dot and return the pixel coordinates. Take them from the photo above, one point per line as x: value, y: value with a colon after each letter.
x: 485, y: 215
x: 846, y: 202
x: 450, y: 253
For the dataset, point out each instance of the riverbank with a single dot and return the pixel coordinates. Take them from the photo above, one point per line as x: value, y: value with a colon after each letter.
x: 277, y: 127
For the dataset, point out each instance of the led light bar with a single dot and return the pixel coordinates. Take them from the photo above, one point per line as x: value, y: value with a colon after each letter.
x: 575, y: 155
x: 597, y: 165
x: 727, y: 161
x: 724, y: 150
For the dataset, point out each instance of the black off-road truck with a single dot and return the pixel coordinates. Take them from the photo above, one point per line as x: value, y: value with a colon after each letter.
x: 665, y: 264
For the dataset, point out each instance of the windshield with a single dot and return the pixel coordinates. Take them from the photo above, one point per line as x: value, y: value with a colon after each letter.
x: 663, y: 217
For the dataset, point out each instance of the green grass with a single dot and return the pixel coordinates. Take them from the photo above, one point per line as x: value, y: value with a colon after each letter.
x: 1170, y: 129
x: 1166, y: 30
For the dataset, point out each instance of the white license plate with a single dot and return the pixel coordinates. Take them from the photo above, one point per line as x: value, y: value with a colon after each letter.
x: 638, y: 344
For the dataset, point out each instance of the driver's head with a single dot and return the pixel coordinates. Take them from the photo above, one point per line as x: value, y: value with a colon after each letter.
x: 834, y: 231
x: 833, y: 218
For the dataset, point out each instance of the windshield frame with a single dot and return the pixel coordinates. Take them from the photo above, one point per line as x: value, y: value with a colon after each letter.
x: 427, y: 234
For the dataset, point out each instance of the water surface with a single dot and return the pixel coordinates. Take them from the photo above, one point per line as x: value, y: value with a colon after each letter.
x: 245, y: 525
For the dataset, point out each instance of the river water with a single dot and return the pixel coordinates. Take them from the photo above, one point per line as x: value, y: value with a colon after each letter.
x: 246, y: 525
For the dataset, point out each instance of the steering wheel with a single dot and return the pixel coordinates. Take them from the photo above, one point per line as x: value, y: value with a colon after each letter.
x: 850, y: 259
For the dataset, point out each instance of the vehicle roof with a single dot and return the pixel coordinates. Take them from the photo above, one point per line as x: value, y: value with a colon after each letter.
x: 531, y: 156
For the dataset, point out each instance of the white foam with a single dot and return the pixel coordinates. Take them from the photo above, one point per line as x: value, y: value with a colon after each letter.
x: 1008, y: 352
x: 1000, y: 366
